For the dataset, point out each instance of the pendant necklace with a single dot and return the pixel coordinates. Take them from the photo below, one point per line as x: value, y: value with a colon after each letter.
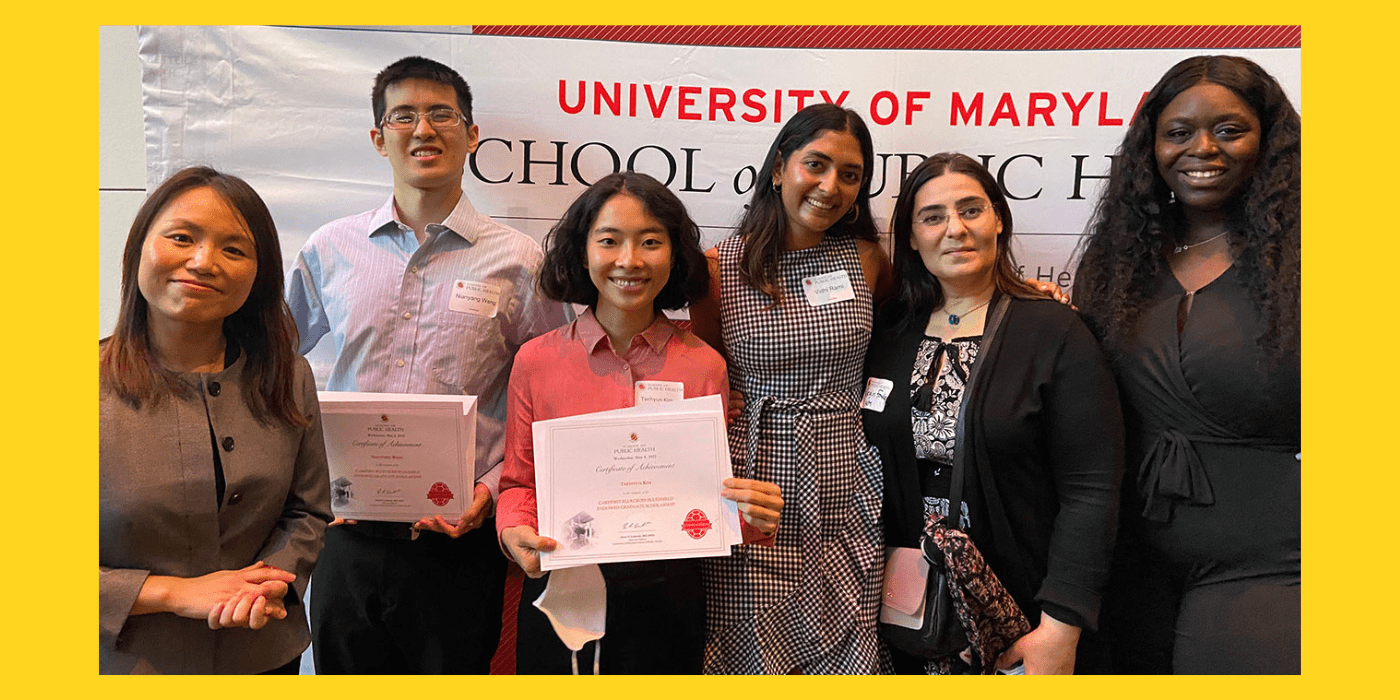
x: 954, y: 319
x: 1180, y: 248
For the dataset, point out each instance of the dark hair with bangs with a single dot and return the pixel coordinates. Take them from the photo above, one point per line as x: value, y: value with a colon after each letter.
x: 564, y: 274
x: 262, y: 328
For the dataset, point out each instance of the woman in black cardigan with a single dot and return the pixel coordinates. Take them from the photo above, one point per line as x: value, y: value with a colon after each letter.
x: 1042, y: 430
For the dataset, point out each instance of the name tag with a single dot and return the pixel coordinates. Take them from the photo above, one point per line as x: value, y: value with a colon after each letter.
x: 877, y: 391
x: 475, y: 298
x: 828, y: 288
x: 645, y: 392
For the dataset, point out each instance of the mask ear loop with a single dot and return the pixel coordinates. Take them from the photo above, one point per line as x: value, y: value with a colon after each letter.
x: 597, y: 654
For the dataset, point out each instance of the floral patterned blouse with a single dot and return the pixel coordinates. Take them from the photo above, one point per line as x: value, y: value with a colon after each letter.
x: 934, y: 413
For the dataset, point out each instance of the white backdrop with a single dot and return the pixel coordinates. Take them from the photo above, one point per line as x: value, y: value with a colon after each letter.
x: 288, y: 109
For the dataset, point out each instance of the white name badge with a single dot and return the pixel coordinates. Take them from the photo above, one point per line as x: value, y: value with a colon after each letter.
x: 828, y: 288
x: 645, y: 392
x: 877, y: 391
x: 475, y: 298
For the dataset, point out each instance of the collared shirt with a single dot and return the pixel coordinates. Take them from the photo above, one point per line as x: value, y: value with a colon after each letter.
x: 575, y: 370
x: 388, y: 305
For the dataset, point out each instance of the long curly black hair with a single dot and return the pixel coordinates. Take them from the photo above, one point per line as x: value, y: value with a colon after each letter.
x: 1136, y: 218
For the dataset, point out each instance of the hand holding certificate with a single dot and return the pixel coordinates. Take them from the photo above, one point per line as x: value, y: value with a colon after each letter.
x: 635, y: 484
x: 399, y: 457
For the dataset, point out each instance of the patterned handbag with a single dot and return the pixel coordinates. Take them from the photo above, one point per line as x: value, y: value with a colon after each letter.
x: 989, y: 616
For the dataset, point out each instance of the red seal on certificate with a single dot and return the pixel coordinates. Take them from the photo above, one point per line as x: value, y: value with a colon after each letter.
x: 439, y: 494
x: 696, y: 524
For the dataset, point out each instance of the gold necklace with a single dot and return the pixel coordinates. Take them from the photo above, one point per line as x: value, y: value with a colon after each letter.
x: 1186, y: 246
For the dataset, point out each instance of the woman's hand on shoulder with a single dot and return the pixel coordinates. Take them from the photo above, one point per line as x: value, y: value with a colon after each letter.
x: 524, y: 545
x: 1050, y: 290
x: 1049, y: 649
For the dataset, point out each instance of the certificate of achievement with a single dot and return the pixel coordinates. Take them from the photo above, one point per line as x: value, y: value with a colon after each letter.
x: 635, y: 484
x: 399, y: 457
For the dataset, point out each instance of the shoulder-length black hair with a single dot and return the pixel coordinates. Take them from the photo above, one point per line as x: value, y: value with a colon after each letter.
x: 764, y: 223
x: 1135, y: 217
x: 262, y: 328
x: 919, y: 292
x: 564, y: 274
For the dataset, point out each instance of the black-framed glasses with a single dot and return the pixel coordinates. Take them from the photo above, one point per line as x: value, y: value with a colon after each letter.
x: 440, y: 118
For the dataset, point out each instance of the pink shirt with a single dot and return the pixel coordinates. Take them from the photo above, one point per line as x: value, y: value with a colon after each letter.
x: 574, y: 369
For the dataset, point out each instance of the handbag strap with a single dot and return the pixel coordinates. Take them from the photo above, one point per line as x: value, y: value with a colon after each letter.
x: 989, y: 331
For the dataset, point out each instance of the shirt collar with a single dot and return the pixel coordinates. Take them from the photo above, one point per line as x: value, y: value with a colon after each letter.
x: 592, y: 334
x: 462, y: 221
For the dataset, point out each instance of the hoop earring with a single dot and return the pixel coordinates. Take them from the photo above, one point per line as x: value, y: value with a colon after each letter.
x: 855, y: 214
x: 777, y: 189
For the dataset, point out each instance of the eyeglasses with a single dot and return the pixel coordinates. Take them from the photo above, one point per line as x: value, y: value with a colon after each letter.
x: 967, y: 214
x: 440, y: 118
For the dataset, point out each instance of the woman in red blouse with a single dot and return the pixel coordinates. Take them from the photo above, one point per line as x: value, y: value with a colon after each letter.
x: 627, y: 249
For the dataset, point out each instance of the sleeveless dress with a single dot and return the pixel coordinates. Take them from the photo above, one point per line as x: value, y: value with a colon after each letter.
x: 1211, y: 529
x: 810, y: 602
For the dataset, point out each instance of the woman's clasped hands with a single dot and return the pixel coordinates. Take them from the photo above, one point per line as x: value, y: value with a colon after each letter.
x: 247, y: 597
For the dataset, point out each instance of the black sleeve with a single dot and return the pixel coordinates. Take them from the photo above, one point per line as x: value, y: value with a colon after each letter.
x: 1084, y: 441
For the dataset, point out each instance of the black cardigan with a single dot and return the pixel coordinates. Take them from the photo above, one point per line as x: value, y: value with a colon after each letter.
x: 1044, y: 456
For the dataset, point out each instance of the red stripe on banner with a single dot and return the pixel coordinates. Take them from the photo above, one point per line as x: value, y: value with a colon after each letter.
x: 965, y: 38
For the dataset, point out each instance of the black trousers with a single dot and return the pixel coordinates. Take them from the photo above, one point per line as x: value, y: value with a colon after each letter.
x: 655, y: 624
x: 394, y: 605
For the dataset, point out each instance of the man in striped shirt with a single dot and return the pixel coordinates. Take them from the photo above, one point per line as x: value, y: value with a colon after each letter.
x: 422, y: 295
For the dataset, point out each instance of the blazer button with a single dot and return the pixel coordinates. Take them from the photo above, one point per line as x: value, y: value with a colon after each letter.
x: 214, y: 388
x: 235, y: 499
x: 228, y: 444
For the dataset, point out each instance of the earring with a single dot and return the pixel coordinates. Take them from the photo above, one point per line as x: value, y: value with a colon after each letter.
x: 777, y: 189
x: 855, y: 214
x: 1171, y: 196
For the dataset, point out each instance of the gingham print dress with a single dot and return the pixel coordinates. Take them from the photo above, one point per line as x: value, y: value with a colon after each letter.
x: 811, y: 602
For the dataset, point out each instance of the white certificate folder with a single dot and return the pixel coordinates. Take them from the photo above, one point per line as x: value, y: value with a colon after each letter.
x: 399, y: 457
x: 635, y: 484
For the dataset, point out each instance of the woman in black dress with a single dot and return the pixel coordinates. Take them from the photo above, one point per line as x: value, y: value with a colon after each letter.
x: 1190, y: 279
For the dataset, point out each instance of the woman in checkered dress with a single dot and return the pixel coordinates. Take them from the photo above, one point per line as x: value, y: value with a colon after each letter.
x: 790, y: 308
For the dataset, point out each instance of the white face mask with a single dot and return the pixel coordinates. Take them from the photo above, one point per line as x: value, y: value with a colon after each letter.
x: 576, y: 602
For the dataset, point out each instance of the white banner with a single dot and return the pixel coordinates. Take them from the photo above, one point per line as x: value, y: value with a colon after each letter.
x: 288, y: 109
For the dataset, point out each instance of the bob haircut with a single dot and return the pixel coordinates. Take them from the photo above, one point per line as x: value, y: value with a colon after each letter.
x: 919, y: 291
x: 564, y: 274
x: 262, y: 328
x: 1136, y: 217
x: 764, y: 222
x: 411, y: 67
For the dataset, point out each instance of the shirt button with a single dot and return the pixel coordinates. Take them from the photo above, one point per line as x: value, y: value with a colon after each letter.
x: 399, y: 363
x: 235, y: 499
x: 407, y: 315
x: 228, y: 444
x: 214, y: 388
